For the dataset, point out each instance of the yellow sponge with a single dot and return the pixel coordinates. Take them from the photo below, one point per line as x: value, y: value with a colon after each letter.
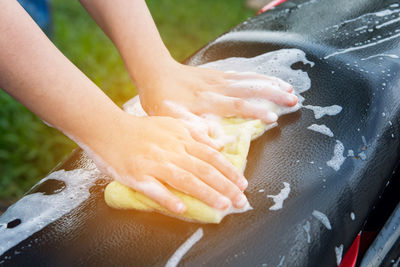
x: 119, y: 196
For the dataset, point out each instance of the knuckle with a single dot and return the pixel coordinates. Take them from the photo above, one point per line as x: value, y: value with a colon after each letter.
x: 238, y: 103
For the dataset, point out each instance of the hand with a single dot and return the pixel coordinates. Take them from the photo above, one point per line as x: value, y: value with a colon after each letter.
x: 187, y: 92
x: 146, y: 153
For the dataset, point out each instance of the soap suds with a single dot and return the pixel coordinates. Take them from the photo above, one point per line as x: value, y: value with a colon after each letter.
x: 276, y: 63
x: 362, y: 155
x: 350, y: 153
x: 37, y: 210
x: 184, y: 248
x: 381, y: 55
x: 323, y: 129
x: 307, y: 228
x: 322, y: 218
x: 338, y: 253
x: 319, y: 112
x: 278, y: 199
x: 338, y: 158
x: 364, y: 140
x: 281, y: 261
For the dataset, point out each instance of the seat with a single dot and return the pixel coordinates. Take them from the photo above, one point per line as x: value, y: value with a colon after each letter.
x: 355, y: 48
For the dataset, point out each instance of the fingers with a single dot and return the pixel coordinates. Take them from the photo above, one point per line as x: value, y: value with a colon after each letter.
x: 213, y: 178
x: 152, y: 188
x: 218, y: 161
x: 227, y: 106
x: 261, y: 89
x: 201, y: 135
x: 188, y: 183
x: 197, y: 126
x: 237, y: 76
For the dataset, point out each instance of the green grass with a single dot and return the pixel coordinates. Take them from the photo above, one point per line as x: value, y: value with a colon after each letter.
x: 28, y: 148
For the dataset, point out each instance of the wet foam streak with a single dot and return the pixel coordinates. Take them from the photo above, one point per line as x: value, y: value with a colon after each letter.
x: 382, y: 55
x: 319, y: 112
x: 38, y: 210
x: 339, y: 253
x: 338, y: 158
x: 387, y: 23
x: 184, y: 248
x: 323, y: 129
x: 322, y: 218
x: 355, y: 48
x: 279, y: 198
x: 307, y: 228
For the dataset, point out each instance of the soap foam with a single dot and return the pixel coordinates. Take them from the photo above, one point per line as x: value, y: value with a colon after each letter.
x: 276, y: 63
x: 322, y: 218
x: 339, y: 253
x: 338, y: 158
x: 307, y: 228
x: 184, y: 248
x: 278, y: 199
x: 38, y: 210
x: 319, y: 112
x: 323, y: 129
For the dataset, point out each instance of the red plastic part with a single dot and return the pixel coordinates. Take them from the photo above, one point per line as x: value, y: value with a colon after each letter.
x: 270, y: 5
x: 350, y: 258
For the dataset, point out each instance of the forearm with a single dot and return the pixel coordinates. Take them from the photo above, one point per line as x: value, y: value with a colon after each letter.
x: 39, y: 76
x: 130, y: 26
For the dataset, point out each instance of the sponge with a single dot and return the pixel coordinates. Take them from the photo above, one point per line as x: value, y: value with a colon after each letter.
x: 242, y: 131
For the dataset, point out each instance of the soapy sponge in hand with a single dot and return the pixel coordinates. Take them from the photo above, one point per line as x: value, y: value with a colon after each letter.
x: 242, y: 131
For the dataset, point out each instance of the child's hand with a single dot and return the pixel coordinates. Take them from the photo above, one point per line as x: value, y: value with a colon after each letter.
x: 145, y: 153
x: 206, y: 91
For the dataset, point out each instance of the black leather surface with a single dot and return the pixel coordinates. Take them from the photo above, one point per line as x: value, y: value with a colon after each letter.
x: 94, y: 234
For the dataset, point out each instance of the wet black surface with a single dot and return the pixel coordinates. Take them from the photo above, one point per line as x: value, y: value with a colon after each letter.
x: 49, y: 187
x: 368, y: 91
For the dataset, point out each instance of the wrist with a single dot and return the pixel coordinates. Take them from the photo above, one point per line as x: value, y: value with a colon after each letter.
x: 99, y: 128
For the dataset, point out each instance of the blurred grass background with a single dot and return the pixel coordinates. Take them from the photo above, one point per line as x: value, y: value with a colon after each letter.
x: 28, y: 148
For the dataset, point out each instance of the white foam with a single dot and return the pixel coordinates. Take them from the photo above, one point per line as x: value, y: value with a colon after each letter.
x: 350, y: 153
x: 276, y: 63
x: 323, y: 129
x: 364, y: 140
x: 362, y: 155
x: 355, y: 48
x: 319, y: 112
x: 307, y: 228
x: 382, y: 55
x: 387, y: 23
x: 322, y: 218
x: 386, y: 12
x: 38, y: 210
x: 134, y: 107
x: 361, y: 28
x: 338, y: 253
x: 281, y: 262
x: 338, y: 158
x: 184, y: 248
x: 278, y: 199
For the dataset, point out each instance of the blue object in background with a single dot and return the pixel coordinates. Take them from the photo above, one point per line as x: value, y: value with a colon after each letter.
x: 40, y: 12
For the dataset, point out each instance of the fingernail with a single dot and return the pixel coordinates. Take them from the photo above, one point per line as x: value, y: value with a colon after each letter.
x: 272, y: 117
x: 241, y: 201
x: 222, y: 203
x: 292, y: 99
x: 242, y: 183
x: 180, y: 208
